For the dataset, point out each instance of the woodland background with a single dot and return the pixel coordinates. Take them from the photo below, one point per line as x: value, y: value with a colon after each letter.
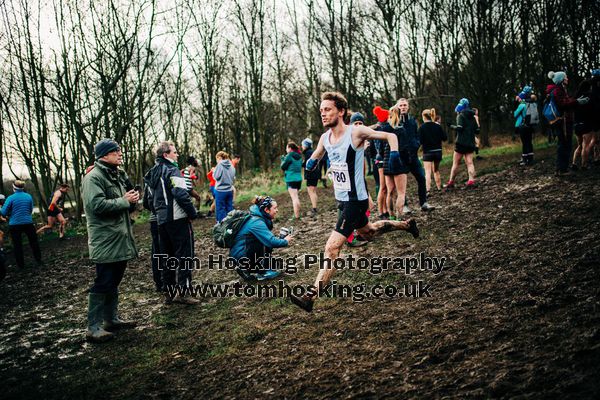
x: 246, y: 75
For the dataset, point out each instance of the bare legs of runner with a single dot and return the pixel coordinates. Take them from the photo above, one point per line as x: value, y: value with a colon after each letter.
x: 336, y: 242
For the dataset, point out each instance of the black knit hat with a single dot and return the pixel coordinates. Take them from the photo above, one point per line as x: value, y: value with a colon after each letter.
x: 104, y: 147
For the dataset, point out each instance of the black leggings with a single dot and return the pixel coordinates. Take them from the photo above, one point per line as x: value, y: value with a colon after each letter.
x: 526, y: 134
x: 16, y: 232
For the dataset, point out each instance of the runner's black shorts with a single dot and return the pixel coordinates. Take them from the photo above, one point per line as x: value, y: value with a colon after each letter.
x: 432, y: 156
x: 294, y: 185
x: 53, y: 213
x: 462, y: 149
x: 312, y: 182
x: 352, y: 215
x: 582, y: 128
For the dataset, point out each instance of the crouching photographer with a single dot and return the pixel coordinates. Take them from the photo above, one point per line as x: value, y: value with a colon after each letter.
x: 254, y: 242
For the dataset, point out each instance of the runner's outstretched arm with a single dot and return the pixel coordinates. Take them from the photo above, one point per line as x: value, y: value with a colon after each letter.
x: 365, y: 133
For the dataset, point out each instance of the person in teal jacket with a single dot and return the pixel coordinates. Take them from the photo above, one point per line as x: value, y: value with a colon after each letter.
x: 526, y: 99
x: 254, y: 242
x: 18, y: 208
x: 291, y: 164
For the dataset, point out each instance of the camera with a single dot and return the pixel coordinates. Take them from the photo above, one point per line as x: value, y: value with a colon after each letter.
x: 283, y: 232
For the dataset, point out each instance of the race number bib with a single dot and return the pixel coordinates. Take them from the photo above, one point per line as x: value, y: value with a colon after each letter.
x: 341, y: 177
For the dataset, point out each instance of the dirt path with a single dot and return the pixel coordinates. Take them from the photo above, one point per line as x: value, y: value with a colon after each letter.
x: 514, y: 313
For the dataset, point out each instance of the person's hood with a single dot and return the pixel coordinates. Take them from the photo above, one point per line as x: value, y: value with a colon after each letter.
x: 113, y: 171
x: 226, y: 164
x: 152, y: 177
x: 469, y: 113
x: 149, y: 174
x: 551, y: 87
x: 295, y: 156
x: 255, y: 211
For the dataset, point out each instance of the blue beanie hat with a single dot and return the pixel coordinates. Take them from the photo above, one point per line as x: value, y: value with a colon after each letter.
x: 104, y: 147
x: 357, y: 117
x: 307, y: 142
x: 557, y: 77
x: 596, y: 72
x: 526, y: 92
x: 463, y: 104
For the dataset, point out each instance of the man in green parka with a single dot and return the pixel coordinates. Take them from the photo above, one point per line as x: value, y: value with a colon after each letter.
x: 107, y: 201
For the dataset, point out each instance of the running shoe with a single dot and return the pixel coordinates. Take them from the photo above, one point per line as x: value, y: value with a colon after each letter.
x: 358, y: 241
x: 412, y: 228
x: 406, y: 210
x: 269, y: 274
x: 470, y: 183
x: 449, y: 185
x: 305, y: 302
x: 245, y: 275
x: 426, y: 207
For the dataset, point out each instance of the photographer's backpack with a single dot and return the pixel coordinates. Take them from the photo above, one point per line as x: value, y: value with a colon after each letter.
x: 225, y: 231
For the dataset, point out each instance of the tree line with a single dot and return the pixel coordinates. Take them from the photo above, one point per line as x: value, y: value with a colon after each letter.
x: 245, y: 76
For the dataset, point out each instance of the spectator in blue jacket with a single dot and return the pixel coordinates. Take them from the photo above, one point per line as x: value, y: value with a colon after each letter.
x: 18, y: 208
x: 255, y: 241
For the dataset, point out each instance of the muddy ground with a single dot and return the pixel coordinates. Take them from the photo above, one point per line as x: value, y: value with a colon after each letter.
x: 515, y: 313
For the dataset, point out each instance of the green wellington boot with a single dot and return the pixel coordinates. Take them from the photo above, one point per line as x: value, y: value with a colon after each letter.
x: 112, y: 322
x: 95, y: 332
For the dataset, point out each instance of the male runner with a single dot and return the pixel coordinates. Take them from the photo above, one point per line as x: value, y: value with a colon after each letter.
x: 344, y: 146
x: 55, y: 210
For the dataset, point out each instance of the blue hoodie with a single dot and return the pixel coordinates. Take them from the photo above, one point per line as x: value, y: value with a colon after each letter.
x: 19, y: 207
x: 258, y: 227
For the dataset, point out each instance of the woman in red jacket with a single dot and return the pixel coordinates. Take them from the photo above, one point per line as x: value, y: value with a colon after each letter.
x: 563, y: 127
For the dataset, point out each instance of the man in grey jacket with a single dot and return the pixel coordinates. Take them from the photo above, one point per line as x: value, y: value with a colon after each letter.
x: 174, y: 211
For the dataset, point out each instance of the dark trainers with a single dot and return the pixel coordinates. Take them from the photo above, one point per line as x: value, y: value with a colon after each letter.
x: 245, y: 275
x: 304, y: 302
x: 412, y: 228
x: 427, y: 207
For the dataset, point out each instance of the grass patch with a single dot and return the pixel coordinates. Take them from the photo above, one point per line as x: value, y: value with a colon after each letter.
x: 267, y: 182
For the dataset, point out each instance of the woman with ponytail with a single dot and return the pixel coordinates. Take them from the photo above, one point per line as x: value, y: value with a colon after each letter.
x: 431, y: 136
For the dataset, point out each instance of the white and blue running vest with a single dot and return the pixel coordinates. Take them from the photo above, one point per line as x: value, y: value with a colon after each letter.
x: 347, y: 168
